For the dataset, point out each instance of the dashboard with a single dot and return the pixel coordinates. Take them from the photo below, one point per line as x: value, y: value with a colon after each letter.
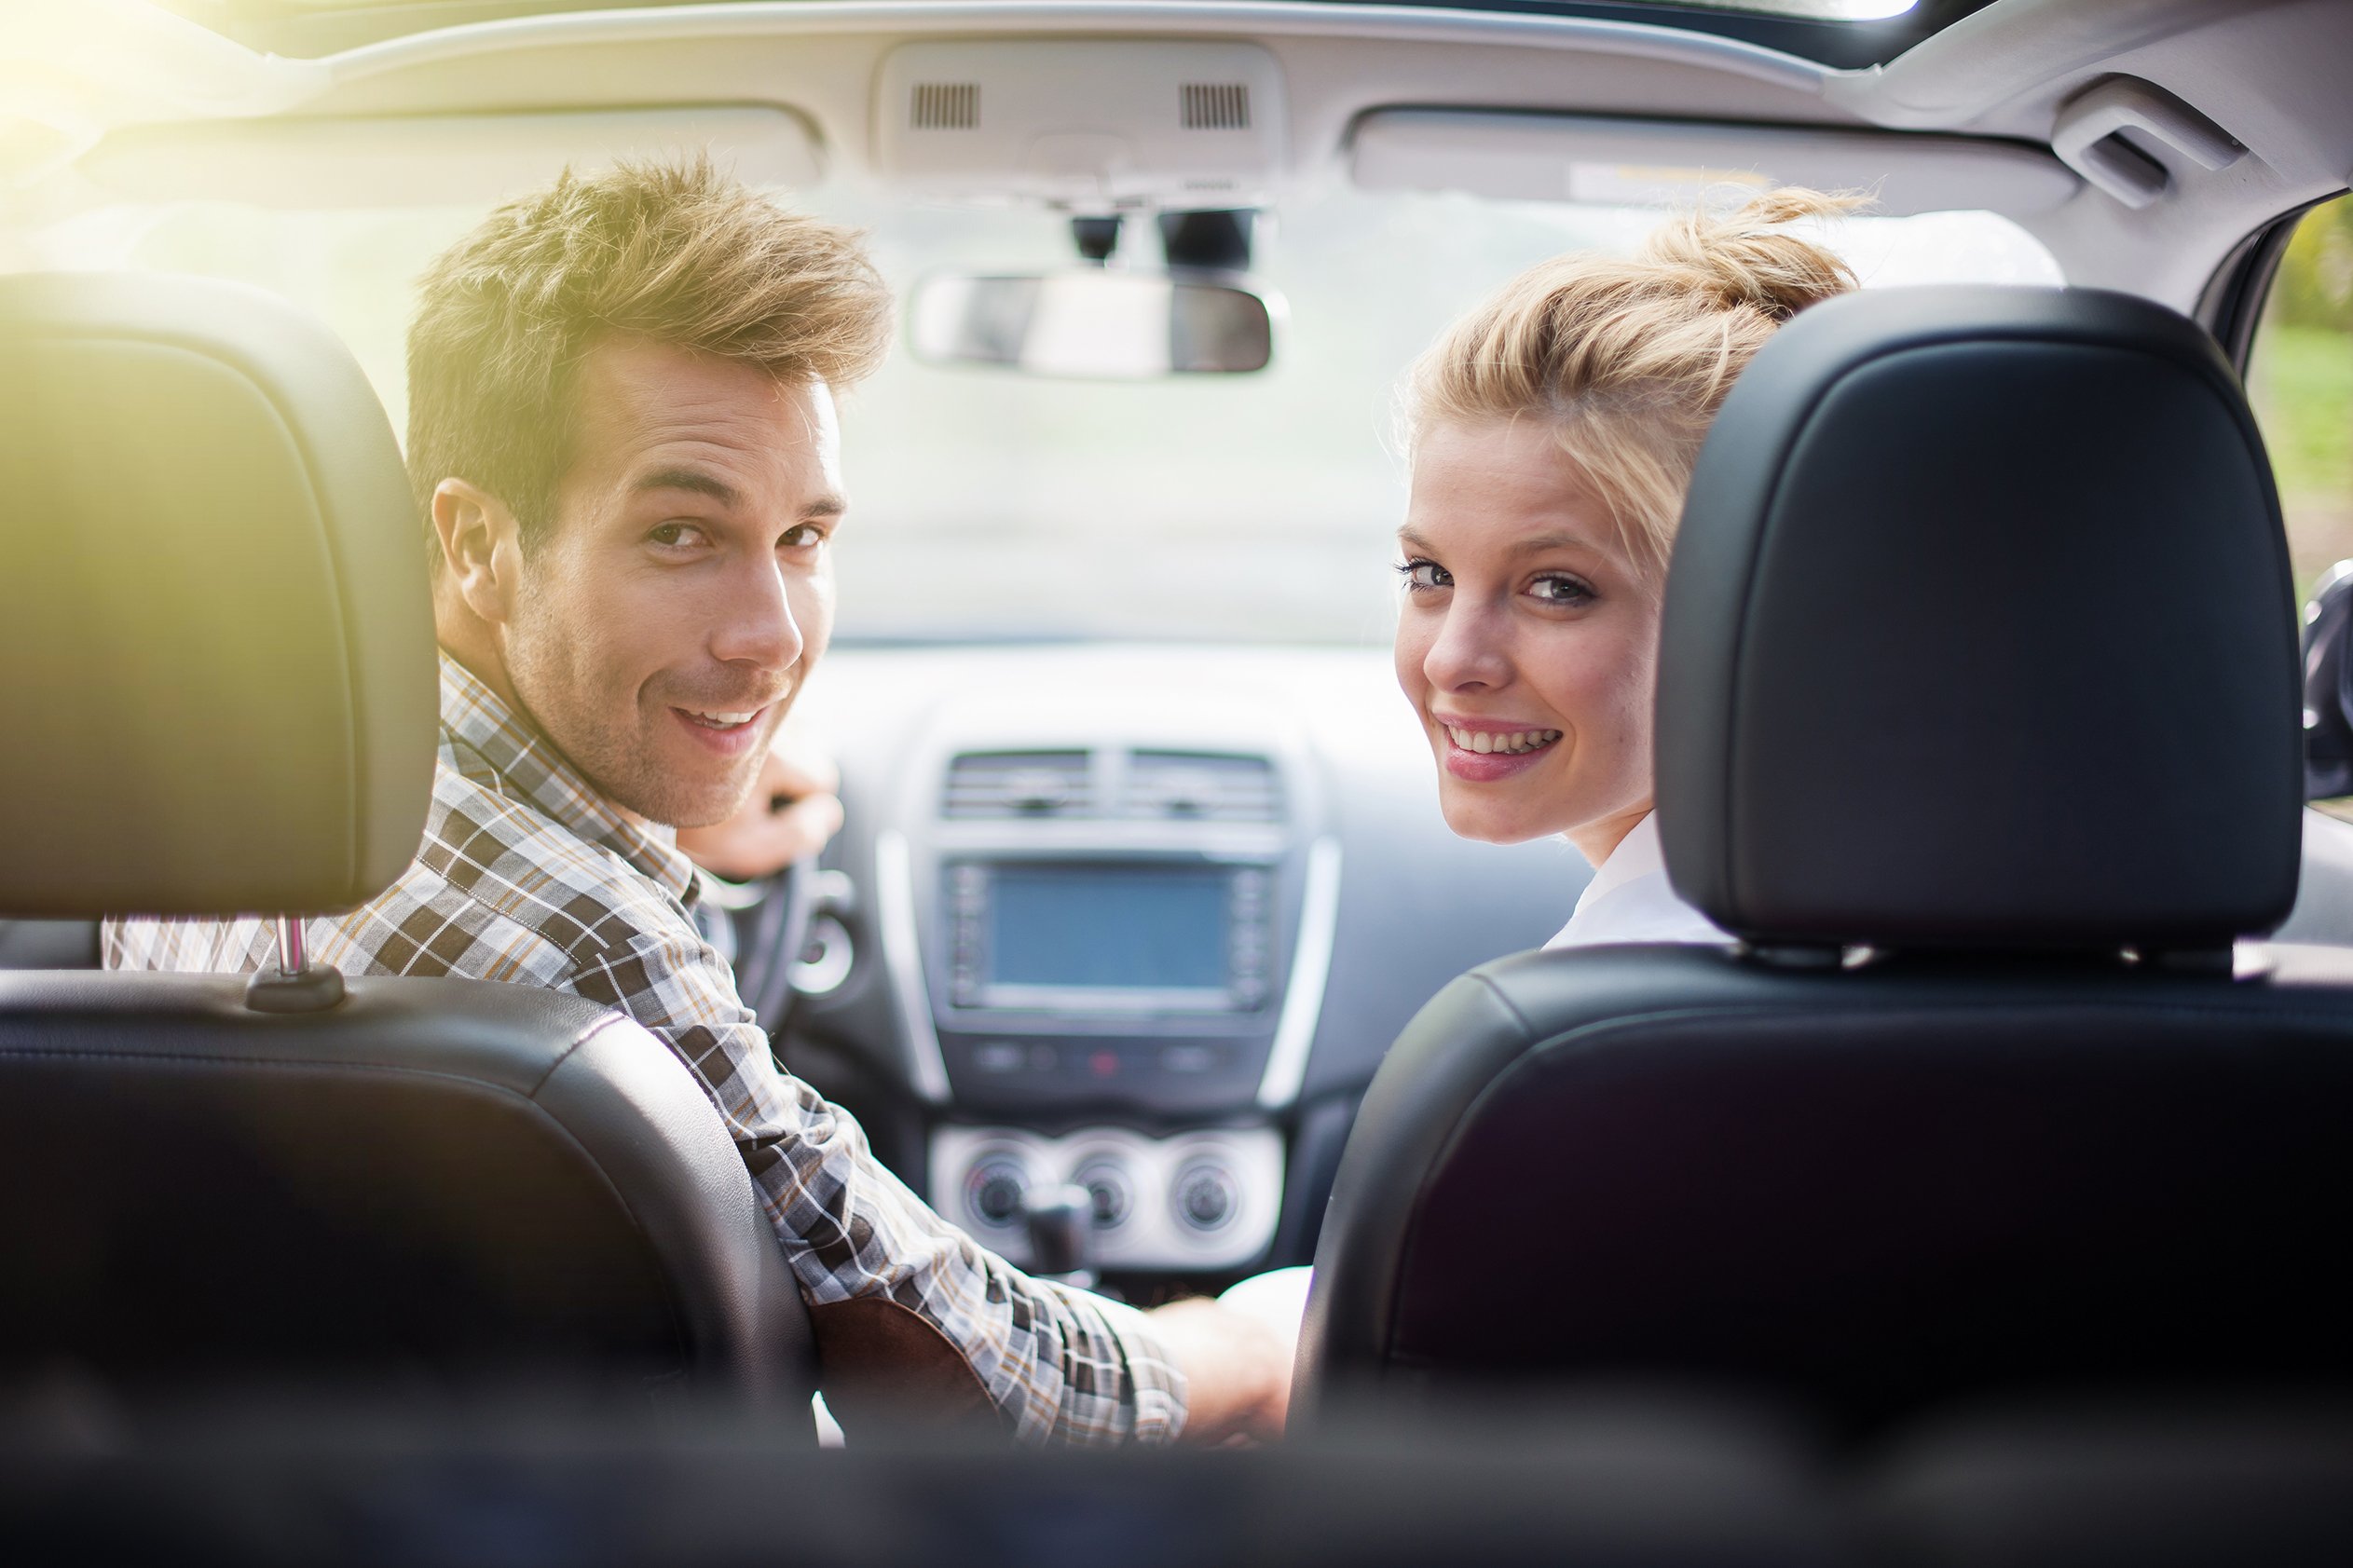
x: 1134, y: 924
x: 1141, y: 921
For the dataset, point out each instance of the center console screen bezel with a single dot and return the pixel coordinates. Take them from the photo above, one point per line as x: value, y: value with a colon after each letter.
x: 968, y: 884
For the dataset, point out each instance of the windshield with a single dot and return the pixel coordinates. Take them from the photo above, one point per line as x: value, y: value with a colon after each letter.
x: 989, y: 505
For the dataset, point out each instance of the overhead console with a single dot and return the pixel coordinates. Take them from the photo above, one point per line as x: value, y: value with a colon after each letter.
x: 1097, y: 125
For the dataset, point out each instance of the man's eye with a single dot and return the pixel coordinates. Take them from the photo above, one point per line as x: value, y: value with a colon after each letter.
x: 676, y: 534
x: 1422, y: 576
x: 801, y: 537
x: 1555, y: 588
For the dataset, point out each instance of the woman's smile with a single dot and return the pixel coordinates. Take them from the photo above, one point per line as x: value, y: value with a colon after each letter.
x: 1487, y: 750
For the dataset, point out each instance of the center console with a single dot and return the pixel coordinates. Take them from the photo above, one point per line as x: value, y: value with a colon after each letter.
x: 1108, y: 957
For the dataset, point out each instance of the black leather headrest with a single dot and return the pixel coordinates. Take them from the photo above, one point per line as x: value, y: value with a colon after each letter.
x: 217, y: 680
x: 1979, y: 632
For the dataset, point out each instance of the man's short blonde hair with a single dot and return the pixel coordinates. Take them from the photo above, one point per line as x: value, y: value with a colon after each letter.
x: 678, y: 252
x: 1628, y: 359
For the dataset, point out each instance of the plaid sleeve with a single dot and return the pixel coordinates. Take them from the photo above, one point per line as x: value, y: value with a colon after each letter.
x: 1061, y: 1365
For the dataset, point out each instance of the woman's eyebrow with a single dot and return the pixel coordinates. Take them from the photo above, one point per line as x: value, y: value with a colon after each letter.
x: 1536, y: 542
x: 1411, y: 539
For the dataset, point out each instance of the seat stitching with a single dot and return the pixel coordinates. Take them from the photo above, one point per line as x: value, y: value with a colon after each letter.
x: 597, y: 1026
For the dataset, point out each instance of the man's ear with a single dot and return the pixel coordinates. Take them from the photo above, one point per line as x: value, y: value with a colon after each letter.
x: 480, y: 548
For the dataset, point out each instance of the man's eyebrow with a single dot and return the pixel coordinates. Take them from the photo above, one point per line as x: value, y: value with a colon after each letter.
x: 828, y: 505
x: 694, y: 481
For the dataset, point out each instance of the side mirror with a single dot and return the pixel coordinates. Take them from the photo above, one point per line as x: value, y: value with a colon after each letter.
x: 2328, y: 686
x: 1093, y: 325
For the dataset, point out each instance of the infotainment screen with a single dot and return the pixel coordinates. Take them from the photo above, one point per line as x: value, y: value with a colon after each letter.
x: 1114, y: 927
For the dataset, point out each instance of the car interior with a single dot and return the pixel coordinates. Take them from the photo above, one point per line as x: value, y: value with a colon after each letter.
x: 1973, y: 1208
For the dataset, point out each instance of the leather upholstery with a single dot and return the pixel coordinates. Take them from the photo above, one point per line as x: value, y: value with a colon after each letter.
x: 1864, y: 1192
x: 438, y: 1182
x: 213, y: 607
x: 1977, y: 642
x: 220, y: 699
x: 1980, y: 633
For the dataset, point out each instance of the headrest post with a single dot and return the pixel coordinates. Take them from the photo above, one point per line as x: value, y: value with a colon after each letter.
x: 296, y: 985
x: 1795, y: 955
x: 290, y: 950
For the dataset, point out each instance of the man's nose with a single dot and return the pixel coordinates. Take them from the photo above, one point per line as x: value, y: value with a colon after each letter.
x: 757, y: 625
x: 1472, y: 651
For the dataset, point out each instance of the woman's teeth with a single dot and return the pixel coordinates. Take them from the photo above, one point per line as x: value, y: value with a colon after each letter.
x: 1514, y: 741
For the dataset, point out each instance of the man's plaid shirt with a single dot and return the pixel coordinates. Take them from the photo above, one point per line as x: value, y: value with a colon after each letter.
x: 526, y: 875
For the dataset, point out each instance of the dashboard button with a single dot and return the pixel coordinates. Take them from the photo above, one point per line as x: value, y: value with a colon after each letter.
x: 999, y: 1056
x: 1188, y: 1058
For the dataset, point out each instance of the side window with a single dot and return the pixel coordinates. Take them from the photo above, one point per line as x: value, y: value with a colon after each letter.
x: 2300, y: 379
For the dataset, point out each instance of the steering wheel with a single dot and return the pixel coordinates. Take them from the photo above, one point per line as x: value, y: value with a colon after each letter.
x: 771, y: 926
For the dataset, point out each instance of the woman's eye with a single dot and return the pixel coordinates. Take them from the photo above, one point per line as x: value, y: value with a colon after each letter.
x: 1422, y: 576
x: 1556, y: 589
x: 676, y: 535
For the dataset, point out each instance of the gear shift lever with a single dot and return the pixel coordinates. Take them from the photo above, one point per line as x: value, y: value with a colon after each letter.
x: 1061, y: 1220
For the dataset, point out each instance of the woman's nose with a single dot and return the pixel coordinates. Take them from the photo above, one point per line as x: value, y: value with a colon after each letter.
x: 1469, y: 653
x: 757, y: 626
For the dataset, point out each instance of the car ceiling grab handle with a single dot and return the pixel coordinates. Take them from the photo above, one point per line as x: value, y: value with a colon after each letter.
x: 2088, y: 138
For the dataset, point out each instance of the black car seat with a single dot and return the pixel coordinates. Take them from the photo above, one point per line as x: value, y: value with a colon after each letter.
x: 1978, y: 728
x: 217, y: 689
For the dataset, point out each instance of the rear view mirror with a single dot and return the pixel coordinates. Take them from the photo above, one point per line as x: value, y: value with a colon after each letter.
x: 1095, y: 324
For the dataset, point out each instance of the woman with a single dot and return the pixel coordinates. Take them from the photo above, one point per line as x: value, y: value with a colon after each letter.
x: 1553, y: 433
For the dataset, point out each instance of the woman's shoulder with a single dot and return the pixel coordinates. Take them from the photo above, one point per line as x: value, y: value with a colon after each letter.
x: 1642, y: 908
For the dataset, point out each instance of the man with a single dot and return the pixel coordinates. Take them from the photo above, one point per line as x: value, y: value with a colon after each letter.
x: 622, y: 436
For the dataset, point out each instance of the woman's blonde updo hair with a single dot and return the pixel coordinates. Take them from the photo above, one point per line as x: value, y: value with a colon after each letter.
x: 1629, y: 358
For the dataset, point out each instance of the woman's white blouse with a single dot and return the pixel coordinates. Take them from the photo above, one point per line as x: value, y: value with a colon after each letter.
x: 1629, y: 900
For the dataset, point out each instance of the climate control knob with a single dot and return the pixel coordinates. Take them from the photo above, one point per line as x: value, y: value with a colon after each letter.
x: 997, y: 1189
x: 1205, y: 1196
x: 1109, y: 1190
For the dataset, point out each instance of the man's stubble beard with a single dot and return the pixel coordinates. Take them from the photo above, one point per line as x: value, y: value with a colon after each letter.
x: 550, y: 666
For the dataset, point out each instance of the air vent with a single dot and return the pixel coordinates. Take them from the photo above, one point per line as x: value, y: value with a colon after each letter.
x: 945, y: 106
x: 1214, y: 106
x: 1020, y: 783
x: 1202, y: 786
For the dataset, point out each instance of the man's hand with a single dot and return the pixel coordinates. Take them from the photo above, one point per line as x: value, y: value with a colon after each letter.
x: 1237, y: 1371
x: 763, y: 838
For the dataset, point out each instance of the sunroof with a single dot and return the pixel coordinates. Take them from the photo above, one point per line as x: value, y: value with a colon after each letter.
x: 1812, y: 10
x: 1837, y: 32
